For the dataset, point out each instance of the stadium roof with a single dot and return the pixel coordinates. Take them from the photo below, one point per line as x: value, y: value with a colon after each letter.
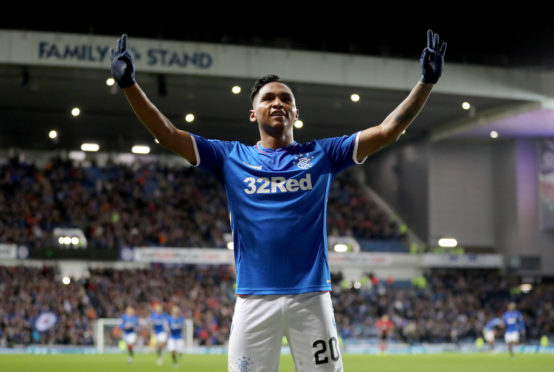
x: 500, y: 36
x: 36, y: 99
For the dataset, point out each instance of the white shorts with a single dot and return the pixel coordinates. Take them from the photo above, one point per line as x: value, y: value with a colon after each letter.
x: 160, y: 337
x: 130, y: 338
x: 512, y: 337
x: 176, y: 344
x: 489, y: 335
x: 306, y: 320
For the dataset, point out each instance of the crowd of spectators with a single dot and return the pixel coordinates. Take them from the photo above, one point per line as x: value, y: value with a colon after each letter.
x: 115, y: 205
x: 451, y: 307
x: 146, y: 204
x: 204, y: 294
x: 351, y: 212
x: 28, y: 292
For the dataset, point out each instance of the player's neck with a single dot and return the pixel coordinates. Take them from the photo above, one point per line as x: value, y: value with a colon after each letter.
x: 275, y: 142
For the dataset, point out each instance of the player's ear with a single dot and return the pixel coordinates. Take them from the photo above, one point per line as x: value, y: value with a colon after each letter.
x: 252, y: 116
x: 297, y: 114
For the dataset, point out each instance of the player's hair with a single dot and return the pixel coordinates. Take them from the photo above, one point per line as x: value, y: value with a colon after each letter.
x: 266, y: 79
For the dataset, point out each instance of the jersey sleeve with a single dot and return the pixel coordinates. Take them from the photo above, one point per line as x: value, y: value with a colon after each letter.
x: 342, y: 151
x: 210, y: 154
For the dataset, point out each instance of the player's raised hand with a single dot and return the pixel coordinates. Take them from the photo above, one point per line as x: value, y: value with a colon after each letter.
x: 432, y: 59
x: 123, y: 65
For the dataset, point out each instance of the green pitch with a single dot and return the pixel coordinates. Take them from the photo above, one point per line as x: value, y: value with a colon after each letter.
x: 352, y: 363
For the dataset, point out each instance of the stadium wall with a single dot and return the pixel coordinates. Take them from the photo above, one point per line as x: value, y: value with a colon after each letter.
x: 505, y: 202
x: 483, y: 194
x: 208, y: 59
x: 434, y: 187
x: 401, y: 177
x: 527, y: 249
x: 460, y: 193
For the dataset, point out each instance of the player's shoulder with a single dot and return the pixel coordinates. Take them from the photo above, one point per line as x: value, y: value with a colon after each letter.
x: 216, y: 140
x: 336, y: 141
x: 334, y: 138
x: 220, y: 145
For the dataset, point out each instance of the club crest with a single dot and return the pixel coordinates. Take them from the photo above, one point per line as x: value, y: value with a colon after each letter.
x: 304, y: 161
x: 244, y: 364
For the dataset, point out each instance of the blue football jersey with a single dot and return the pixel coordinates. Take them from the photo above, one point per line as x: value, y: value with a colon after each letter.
x: 494, y: 322
x: 513, y: 321
x: 176, y: 325
x: 278, y: 204
x: 158, y: 321
x: 129, y: 323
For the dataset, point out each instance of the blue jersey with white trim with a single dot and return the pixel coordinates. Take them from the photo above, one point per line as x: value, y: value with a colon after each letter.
x: 278, y: 204
x: 129, y: 323
x: 176, y: 325
x: 513, y: 321
x: 158, y: 321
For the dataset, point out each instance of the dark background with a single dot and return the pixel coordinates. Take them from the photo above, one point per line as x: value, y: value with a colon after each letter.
x: 477, y: 33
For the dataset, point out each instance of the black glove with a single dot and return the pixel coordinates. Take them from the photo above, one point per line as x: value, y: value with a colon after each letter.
x: 432, y: 59
x: 123, y: 66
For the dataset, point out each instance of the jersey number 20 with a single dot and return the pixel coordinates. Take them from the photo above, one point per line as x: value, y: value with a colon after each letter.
x: 321, y: 351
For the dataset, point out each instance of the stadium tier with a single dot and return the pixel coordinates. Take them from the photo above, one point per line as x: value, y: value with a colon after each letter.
x: 452, y: 306
x: 118, y: 205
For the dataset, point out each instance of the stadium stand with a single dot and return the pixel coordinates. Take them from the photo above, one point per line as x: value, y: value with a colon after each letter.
x: 150, y: 205
x: 452, y: 307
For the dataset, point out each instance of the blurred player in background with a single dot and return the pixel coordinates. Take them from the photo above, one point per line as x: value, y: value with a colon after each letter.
x: 385, y: 326
x: 176, y: 342
x: 158, y: 322
x: 129, y: 325
x: 277, y: 193
x: 513, y: 321
x: 489, y: 331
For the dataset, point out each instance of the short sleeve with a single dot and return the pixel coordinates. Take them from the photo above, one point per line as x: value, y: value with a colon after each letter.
x: 211, y: 154
x: 342, y: 151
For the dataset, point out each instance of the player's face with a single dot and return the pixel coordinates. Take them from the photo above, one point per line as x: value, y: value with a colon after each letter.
x: 274, y: 108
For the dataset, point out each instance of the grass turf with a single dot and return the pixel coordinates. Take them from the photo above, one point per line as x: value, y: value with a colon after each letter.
x: 352, y: 363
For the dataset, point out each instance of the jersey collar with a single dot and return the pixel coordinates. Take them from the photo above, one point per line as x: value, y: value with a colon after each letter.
x: 260, y: 148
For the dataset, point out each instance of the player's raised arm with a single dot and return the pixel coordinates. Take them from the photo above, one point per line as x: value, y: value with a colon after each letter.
x: 123, y: 71
x: 432, y: 62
